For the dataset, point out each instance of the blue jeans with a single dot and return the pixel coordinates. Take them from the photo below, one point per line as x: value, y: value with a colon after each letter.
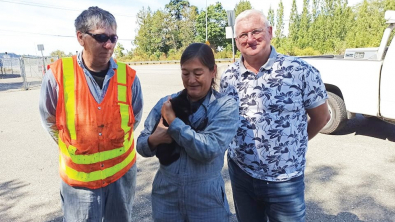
x: 112, y: 203
x: 259, y: 200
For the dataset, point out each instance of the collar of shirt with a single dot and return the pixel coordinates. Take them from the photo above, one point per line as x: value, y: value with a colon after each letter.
x: 95, y: 89
x: 267, y: 66
x: 110, y: 73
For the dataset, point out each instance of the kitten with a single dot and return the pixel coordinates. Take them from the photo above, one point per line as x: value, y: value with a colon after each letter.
x: 166, y: 153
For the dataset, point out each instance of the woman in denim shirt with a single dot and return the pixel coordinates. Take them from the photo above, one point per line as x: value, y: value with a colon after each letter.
x: 191, y: 188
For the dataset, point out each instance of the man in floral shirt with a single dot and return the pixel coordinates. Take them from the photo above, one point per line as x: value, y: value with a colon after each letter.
x: 275, y: 93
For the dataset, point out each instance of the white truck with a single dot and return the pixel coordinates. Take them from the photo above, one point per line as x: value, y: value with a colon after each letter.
x: 362, y: 81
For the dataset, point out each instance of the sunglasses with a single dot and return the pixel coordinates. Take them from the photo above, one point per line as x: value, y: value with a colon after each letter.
x: 102, y: 38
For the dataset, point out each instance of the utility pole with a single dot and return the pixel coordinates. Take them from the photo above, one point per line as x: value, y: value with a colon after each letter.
x: 231, y: 23
x: 206, y: 20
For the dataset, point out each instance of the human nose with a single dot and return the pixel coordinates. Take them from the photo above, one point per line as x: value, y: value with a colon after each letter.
x: 250, y: 36
x: 191, y: 79
x: 108, y: 44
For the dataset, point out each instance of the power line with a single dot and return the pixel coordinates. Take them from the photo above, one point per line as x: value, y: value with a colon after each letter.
x: 66, y: 36
x: 51, y: 6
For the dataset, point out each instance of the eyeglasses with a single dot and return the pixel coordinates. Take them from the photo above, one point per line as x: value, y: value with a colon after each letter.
x: 102, y: 38
x: 255, y: 33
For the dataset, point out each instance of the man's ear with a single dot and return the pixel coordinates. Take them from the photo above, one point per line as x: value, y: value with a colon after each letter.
x: 270, y: 31
x: 80, y: 38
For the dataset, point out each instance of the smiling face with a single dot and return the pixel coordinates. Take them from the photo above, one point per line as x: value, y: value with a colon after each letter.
x: 97, y: 52
x: 197, y: 78
x: 253, y: 45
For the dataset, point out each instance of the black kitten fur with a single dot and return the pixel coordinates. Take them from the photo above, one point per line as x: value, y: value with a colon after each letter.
x: 166, y: 153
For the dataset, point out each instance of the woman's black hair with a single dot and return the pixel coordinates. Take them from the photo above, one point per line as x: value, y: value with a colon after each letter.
x: 202, y: 52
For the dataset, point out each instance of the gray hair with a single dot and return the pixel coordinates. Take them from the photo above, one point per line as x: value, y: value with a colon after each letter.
x: 94, y: 18
x: 249, y: 13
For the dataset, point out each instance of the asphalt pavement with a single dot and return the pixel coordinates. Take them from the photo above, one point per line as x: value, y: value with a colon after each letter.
x: 349, y: 176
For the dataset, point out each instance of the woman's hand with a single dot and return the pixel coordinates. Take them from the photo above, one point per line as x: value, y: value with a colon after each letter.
x: 168, y: 112
x: 159, y: 136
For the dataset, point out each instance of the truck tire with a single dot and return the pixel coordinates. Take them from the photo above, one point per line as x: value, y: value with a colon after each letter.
x: 338, y: 112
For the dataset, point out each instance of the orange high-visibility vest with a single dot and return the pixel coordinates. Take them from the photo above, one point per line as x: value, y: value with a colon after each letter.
x: 96, y: 141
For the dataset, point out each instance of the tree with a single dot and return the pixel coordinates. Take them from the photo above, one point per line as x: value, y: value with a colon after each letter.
x: 58, y: 53
x: 144, y: 44
x: 118, y: 51
x: 187, y: 26
x: 279, y: 33
x: 176, y: 10
x: 216, y: 23
x: 369, y: 18
x: 242, y: 6
x: 270, y: 16
x: 303, y: 40
x: 293, y: 24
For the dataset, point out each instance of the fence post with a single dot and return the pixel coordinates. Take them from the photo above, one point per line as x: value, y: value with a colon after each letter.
x: 23, y: 73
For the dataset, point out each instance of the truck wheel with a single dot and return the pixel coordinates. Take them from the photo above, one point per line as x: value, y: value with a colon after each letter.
x: 338, y: 112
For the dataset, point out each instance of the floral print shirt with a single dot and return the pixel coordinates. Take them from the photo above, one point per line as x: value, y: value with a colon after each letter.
x: 271, y: 140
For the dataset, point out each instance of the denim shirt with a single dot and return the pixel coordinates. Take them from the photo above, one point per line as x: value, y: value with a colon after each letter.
x: 201, y: 153
x: 50, y: 89
x: 271, y: 141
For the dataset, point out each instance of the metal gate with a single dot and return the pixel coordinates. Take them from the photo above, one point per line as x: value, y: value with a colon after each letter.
x: 23, y: 73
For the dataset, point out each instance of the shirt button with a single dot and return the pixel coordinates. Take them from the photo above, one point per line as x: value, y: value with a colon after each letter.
x: 99, y: 134
x: 99, y: 108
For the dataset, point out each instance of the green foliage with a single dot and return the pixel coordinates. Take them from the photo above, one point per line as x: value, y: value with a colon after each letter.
x: 293, y: 23
x: 295, y: 51
x: 306, y: 51
x: 217, y: 20
x: 59, y: 54
x: 270, y: 17
x: 305, y: 22
x: 225, y: 53
x: 370, y: 19
x: 323, y: 27
x: 279, y: 33
x: 175, y: 8
x: 118, y: 51
x: 242, y: 6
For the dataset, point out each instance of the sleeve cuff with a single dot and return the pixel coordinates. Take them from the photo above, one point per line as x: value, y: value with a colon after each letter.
x: 316, y: 104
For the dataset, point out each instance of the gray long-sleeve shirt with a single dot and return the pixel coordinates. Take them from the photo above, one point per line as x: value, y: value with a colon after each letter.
x: 50, y: 89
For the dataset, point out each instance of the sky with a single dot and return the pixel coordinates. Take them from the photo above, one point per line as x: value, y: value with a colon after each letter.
x: 26, y: 23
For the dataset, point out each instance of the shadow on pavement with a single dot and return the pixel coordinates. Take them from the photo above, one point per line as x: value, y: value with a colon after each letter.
x: 11, y: 193
x: 349, y: 199
x: 372, y: 127
x: 319, y: 215
x: 15, y: 202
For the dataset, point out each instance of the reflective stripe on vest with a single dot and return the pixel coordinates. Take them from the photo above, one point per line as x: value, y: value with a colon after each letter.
x: 122, y: 89
x: 70, y: 151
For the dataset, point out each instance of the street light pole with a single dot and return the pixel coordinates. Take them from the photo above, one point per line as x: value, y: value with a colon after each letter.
x: 206, y: 20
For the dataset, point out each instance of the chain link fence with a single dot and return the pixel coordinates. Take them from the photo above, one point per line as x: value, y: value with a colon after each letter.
x: 23, y: 73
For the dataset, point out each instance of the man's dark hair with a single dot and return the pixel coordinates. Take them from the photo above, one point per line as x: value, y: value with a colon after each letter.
x: 94, y: 18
